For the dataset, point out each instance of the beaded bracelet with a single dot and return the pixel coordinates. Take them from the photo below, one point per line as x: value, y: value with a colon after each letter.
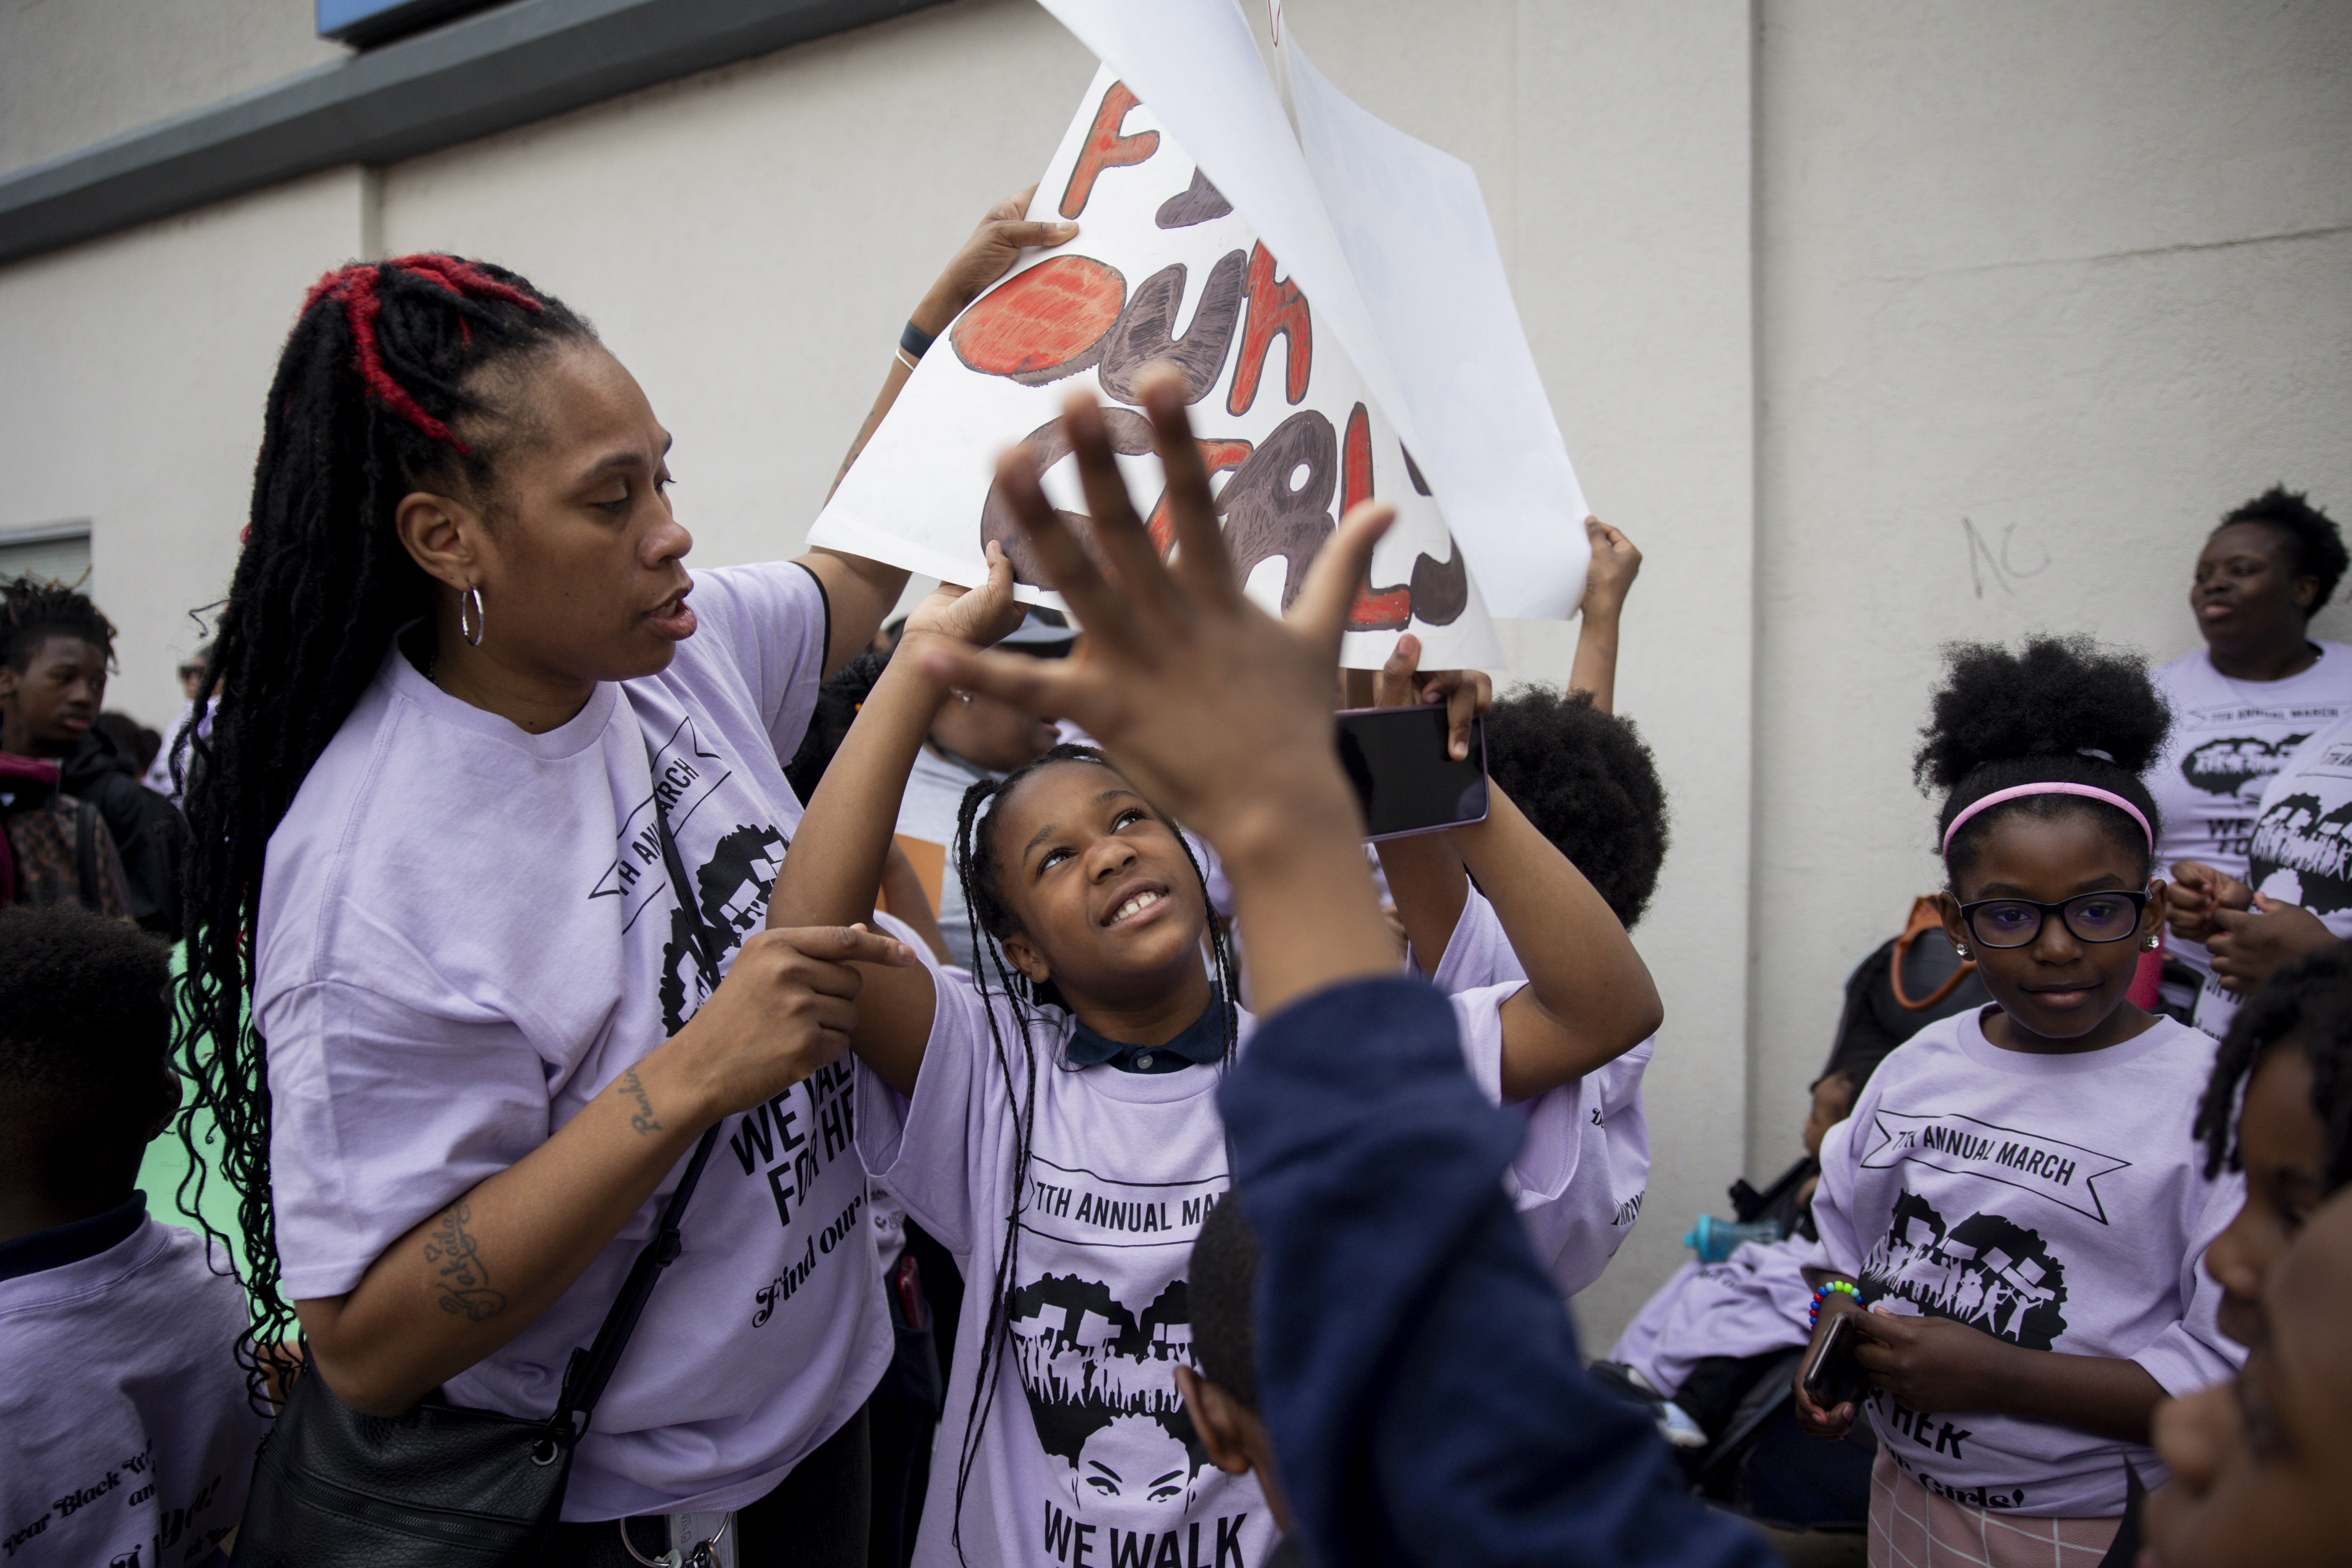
x: 1814, y: 1317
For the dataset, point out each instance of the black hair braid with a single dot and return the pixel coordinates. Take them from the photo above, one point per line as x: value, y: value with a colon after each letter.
x: 988, y: 915
x: 2308, y: 1004
x: 320, y: 588
x: 2057, y: 710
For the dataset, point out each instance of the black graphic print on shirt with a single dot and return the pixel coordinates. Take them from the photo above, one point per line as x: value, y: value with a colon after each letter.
x: 2237, y: 766
x: 1100, y: 1320
x: 1987, y: 1271
x: 2300, y: 835
x: 1103, y: 1395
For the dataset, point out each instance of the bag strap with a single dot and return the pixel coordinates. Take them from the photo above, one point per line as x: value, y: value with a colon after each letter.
x: 591, y: 1368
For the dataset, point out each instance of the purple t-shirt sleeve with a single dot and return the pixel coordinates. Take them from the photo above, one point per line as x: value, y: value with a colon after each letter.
x: 771, y: 619
x: 380, y: 1117
x: 1838, y: 1250
x: 2193, y: 1353
x: 924, y: 1149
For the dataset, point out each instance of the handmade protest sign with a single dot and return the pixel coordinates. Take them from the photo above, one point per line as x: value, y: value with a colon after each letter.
x: 1293, y: 423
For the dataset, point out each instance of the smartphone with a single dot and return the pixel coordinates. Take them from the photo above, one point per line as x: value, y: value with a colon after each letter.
x: 1406, y: 778
x: 1833, y: 1377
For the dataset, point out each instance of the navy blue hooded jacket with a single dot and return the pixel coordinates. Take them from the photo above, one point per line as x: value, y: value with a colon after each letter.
x: 1415, y: 1369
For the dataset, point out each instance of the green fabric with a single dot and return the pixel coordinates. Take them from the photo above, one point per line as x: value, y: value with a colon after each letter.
x: 161, y: 1174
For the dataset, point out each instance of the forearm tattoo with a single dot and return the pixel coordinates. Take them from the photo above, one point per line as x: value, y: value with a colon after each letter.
x: 642, y: 1119
x: 462, y: 1281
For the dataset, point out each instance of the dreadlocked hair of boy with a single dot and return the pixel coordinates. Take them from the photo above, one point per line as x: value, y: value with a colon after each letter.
x: 980, y: 869
x: 34, y: 609
x: 2058, y: 710
x: 385, y: 386
x: 2308, y: 1005
x: 1589, y: 784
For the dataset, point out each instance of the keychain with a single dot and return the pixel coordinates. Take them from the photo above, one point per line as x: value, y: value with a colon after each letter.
x: 707, y: 1551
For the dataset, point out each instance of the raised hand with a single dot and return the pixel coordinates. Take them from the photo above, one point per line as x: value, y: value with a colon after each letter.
x: 1218, y: 713
x: 2195, y: 892
x: 986, y: 257
x: 1615, y: 563
x: 1466, y: 693
x: 1213, y: 708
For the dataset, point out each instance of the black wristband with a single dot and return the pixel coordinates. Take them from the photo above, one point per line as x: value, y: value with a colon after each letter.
x: 915, y: 341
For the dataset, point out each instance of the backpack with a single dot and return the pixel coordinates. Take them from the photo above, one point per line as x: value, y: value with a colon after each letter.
x: 56, y: 849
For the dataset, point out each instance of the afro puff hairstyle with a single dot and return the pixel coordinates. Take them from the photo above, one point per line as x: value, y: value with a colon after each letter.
x: 2318, y: 542
x: 2308, y: 1005
x: 34, y: 609
x: 85, y: 1016
x: 2058, y: 710
x: 1587, y: 781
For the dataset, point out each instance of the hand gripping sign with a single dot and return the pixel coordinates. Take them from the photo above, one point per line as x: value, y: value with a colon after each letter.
x: 1164, y: 269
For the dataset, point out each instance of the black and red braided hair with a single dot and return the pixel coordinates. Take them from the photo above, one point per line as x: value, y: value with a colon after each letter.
x: 399, y: 375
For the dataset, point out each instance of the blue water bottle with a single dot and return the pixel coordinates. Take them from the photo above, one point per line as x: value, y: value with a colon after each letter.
x: 1716, y: 1239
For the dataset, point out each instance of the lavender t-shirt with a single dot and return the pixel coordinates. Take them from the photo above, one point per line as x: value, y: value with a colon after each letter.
x: 1086, y: 1457
x: 1593, y: 1136
x: 2056, y: 1202
x: 468, y: 932
x: 125, y: 1434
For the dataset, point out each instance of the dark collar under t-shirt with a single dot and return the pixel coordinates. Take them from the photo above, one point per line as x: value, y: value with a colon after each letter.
x: 71, y: 1242
x: 1202, y: 1042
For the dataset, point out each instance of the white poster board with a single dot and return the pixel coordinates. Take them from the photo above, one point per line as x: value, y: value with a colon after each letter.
x: 1293, y: 373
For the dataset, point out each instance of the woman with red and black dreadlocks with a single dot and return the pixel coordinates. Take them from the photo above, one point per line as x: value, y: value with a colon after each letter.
x: 485, y: 827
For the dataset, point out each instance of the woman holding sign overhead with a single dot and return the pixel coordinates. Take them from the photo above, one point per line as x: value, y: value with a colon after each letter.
x: 486, y: 826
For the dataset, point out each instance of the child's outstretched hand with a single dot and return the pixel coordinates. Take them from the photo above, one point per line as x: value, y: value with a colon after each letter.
x: 1218, y: 712
x: 1466, y: 693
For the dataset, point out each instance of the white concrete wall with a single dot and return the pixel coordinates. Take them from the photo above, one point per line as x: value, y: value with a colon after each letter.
x: 77, y: 71
x: 2075, y: 279
x: 1815, y: 290
x: 136, y: 369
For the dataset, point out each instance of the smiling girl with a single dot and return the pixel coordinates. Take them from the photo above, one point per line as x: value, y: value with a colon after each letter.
x: 1055, y: 1120
x: 2014, y: 1214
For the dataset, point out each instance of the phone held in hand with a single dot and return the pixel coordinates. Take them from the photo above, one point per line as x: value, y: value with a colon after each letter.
x: 1832, y: 1377
x: 1406, y: 778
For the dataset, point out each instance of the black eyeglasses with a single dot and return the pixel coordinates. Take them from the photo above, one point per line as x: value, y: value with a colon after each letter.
x: 2092, y: 917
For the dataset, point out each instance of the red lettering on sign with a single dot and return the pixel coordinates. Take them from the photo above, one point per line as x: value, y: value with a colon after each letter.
x: 1107, y: 149
x: 1048, y: 322
x: 1275, y: 310
x: 1375, y: 609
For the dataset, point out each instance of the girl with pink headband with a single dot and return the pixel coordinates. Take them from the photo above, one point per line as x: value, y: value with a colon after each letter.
x: 2014, y: 1216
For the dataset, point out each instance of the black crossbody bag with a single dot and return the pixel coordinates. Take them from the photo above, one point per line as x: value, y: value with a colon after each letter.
x: 446, y: 1484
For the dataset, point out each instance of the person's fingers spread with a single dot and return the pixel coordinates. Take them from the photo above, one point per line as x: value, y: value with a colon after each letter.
x: 1125, y: 542
x: 1066, y: 564
x: 1204, y: 563
x: 1320, y: 612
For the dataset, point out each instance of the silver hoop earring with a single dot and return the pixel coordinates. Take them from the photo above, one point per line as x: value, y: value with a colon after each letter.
x: 474, y: 597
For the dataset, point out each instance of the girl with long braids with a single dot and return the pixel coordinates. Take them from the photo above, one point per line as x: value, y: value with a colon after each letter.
x: 1053, y: 1119
x: 484, y: 828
